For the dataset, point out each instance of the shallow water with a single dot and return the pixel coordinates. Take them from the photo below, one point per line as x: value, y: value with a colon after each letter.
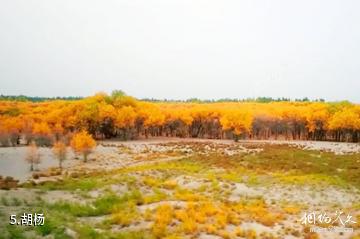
x: 13, y: 163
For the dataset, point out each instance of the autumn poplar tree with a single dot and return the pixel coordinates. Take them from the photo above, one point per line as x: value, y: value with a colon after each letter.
x: 60, y: 152
x: 122, y: 116
x: 32, y: 156
x: 238, y: 121
x: 83, y: 143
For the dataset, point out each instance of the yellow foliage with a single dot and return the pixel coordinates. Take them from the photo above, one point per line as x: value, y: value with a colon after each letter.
x: 221, y: 220
x: 125, y: 217
x: 151, y: 182
x: 32, y: 155
x: 210, y: 229
x: 189, y: 226
x: 163, y: 217
x: 180, y: 215
x: 59, y: 150
x: 41, y: 129
x: 250, y: 234
x: 291, y: 210
x: 148, y: 214
x: 125, y: 117
x: 172, y: 237
x: 121, y: 114
x: 187, y: 195
x: 208, y: 209
x: 224, y: 234
x: 239, y: 232
x: 83, y: 143
x: 238, y: 120
x: 170, y: 184
x: 349, y: 118
x: 106, y: 111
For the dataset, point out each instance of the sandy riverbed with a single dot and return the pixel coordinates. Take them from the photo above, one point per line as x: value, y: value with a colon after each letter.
x: 12, y: 159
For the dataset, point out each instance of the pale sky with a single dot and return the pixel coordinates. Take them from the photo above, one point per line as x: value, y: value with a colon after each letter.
x: 181, y: 49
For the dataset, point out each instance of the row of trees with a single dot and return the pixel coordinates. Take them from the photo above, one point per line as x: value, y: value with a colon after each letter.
x: 122, y: 116
x: 81, y: 143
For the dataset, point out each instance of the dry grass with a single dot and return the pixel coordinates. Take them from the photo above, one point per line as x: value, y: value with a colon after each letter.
x: 158, y: 193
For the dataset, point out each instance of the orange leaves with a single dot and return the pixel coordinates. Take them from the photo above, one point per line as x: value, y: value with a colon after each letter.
x: 125, y: 117
x: 11, y: 125
x: 125, y: 101
x: 83, y: 143
x: 177, y: 112
x: 163, y: 217
x: 317, y: 116
x: 152, y: 115
x: 58, y: 129
x: 239, y: 121
x: 42, y: 129
x: 120, y: 115
x: 59, y: 150
x: 348, y: 118
x: 185, y: 116
x: 32, y: 155
x: 106, y: 111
